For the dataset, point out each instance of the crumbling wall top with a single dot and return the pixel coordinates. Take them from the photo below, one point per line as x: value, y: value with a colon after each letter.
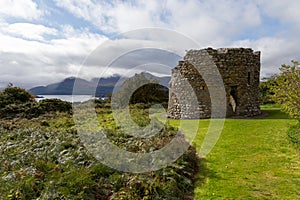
x: 226, y: 50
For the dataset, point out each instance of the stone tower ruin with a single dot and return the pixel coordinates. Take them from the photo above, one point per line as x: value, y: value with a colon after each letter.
x: 240, y: 71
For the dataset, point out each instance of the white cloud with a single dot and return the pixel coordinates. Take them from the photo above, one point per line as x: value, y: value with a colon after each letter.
x: 29, y: 31
x: 209, y: 22
x: 213, y: 23
x: 275, y: 51
x: 150, y: 14
x: 28, y: 62
x: 97, y: 13
x: 36, y: 53
x: 286, y: 11
x: 26, y: 9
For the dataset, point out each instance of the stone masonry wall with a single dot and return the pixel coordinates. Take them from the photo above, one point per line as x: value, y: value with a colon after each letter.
x: 239, y: 69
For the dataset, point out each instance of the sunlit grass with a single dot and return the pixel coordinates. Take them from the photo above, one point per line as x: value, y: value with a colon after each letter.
x: 253, y: 159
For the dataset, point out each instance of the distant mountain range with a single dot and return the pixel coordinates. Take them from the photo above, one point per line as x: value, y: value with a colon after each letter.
x: 83, y: 87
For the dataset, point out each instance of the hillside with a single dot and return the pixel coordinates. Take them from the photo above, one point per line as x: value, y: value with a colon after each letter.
x: 104, y: 86
x: 65, y: 87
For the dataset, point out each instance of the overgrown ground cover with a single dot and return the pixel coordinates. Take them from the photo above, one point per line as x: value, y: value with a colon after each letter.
x: 253, y: 159
x: 43, y: 158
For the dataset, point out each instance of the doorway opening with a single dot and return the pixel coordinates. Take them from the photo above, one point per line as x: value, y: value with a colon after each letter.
x: 233, y: 100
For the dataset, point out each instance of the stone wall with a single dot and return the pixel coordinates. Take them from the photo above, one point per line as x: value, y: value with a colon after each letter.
x: 240, y: 71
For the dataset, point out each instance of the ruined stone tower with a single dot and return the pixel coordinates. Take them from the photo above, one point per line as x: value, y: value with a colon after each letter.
x: 239, y: 69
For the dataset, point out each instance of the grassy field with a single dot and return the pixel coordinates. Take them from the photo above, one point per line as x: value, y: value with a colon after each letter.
x: 253, y: 159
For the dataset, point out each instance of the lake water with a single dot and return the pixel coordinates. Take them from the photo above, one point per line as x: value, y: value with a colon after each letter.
x: 69, y: 98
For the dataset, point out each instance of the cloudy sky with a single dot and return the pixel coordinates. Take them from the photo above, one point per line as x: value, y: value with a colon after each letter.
x: 44, y: 41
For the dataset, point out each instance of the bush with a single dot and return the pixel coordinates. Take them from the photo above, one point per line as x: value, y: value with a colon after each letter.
x: 265, y: 92
x: 14, y: 95
x: 55, y: 105
x: 286, y: 89
x: 35, y: 109
x: 294, y: 134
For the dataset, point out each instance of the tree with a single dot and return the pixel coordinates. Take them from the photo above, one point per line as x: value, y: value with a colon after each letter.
x: 265, y: 91
x: 286, y: 89
x: 140, y: 89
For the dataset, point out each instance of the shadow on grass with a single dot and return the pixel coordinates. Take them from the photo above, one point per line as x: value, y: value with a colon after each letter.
x: 204, y: 174
x: 273, y: 111
x: 275, y: 114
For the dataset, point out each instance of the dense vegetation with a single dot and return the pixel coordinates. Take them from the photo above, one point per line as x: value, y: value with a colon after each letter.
x: 14, y: 95
x: 265, y: 92
x: 42, y: 157
x: 294, y: 134
x: 17, y: 102
x: 284, y: 89
x: 140, y: 89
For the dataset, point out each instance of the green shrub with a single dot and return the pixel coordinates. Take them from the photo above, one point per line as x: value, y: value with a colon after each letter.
x: 14, y: 95
x: 17, y: 102
x: 34, y: 109
x: 285, y: 87
x: 265, y: 92
x: 55, y: 105
x: 26, y: 110
x: 294, y: 134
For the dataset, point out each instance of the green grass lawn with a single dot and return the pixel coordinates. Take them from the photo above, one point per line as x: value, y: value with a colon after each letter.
x: 253, y: 159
